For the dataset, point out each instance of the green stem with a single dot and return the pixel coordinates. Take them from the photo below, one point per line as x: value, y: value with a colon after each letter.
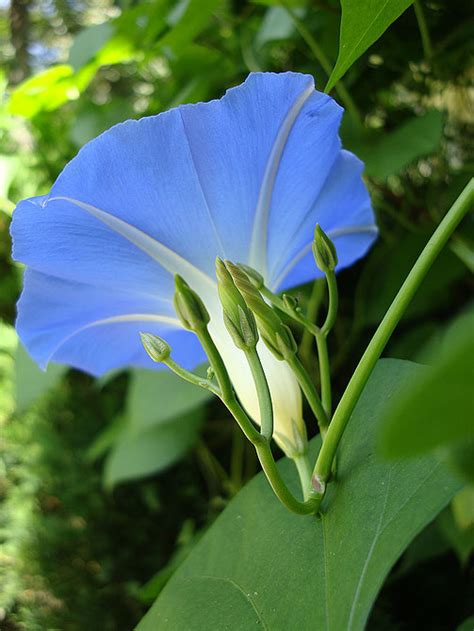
x: 325, y: 64
x: 310, y: 392
x: 381, y: 336
x: 312, y: 311
x: 325, y: 374
x: 423, y: 28
x: 191, y: 377
x: 279, y: 487
x: 332, y: 304
x: 215, y: 359
x: 263, y: 393
x: 303, y: 467
x: 276, y: 301
x: 245, y: 424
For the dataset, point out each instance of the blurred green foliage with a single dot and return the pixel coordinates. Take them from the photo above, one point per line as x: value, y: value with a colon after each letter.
x: 74, y: 555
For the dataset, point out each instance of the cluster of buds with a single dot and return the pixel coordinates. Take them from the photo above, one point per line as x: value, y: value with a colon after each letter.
x: 252, y: 316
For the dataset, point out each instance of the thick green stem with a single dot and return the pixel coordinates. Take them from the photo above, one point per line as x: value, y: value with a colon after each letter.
x: 310, y: 392
x: 263, y: 393
x: 394, y: 314
x: 279, y: 487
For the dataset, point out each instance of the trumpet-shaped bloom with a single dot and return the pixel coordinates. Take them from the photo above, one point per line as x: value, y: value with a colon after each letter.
x: 245, y: 178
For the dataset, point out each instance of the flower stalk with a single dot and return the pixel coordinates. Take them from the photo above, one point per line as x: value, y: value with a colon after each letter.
x: 438, y: 240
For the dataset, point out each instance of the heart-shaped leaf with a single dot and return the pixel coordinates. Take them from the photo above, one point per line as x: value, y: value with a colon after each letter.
x: 261, y: 567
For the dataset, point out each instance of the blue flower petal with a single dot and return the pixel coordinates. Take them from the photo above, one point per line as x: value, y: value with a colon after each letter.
x: 61, y: 240
x: 245, y: 177
x: 95, y: 329
x: 343, y: 210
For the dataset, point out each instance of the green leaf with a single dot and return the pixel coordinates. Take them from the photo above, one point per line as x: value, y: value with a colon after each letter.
x: 163, y: 418
x: 387, y: 153
x: 437, y: 409
x: 467, y: 625
x: 363, y: 22
x: 48, y: 90
x: 140, y: 453
x: 276, y: 25
x: 261, y: 567
x: 188, y: 19
x: 31, y: 383
x: 88, y: 42
x: 387, y: 268
x: 155, y: 397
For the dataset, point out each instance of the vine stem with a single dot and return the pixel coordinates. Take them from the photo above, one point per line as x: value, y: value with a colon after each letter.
x: 263, y: 393
x: 310, y: 392
x: 423, y: 28
x: 314, y: 304
x: 458, y: 210
x: 280, y: 489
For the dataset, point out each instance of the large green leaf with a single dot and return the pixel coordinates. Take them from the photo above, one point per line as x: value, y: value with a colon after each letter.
x: 261, y: 567
x: 363, y: 22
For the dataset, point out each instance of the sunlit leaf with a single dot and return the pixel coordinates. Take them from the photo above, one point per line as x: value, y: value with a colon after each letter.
x: 363, y: 22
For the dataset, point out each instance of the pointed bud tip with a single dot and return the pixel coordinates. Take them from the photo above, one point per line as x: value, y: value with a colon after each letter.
x: 155, y: 346
x: 255, y: 278
x: 189, y: 307
x: 324, y: 251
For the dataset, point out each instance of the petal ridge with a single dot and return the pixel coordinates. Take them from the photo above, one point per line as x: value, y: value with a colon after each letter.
x: 258, y: 242
x: 124, y: 318
x: 198, y: 178
x: 167, y: 258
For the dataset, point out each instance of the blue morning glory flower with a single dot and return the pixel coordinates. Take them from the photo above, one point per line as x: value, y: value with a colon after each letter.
x: 245, y: 178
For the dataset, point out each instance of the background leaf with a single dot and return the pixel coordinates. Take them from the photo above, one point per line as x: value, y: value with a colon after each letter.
x: 437, y: 409
x: 31, y: 382
x: 389, y: 152
x: 137, y: 454
x: 162, y: 420
x: 363, y: 22
x: 262, y: 567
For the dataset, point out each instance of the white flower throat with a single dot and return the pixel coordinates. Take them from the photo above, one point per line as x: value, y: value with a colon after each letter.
x: 284, y: 389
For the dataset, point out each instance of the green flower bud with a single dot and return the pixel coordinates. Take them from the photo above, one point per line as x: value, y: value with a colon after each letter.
x: 254, y: 277
x: 324, y: 251
x: 238, y: 318
x: 189, y: 308
x: 276, y: 335
x: 156, y: 347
